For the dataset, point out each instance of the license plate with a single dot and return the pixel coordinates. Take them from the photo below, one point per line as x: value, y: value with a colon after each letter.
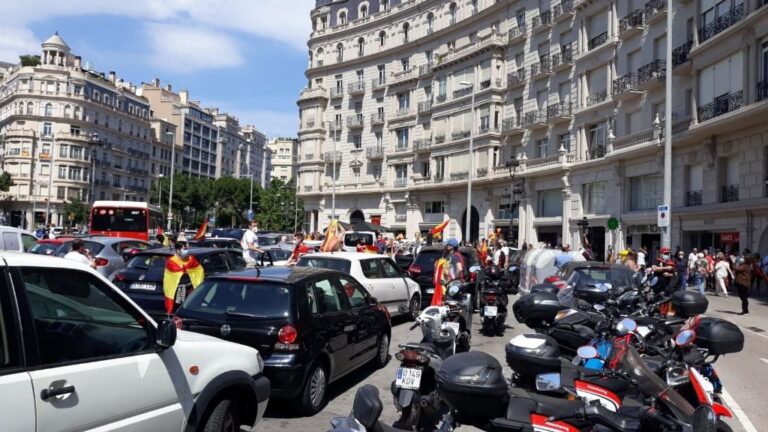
x: 453, y: 325
x: 490, y: 311
x: 143, y: 286
x: 408, y: 378
x: 430, y: 290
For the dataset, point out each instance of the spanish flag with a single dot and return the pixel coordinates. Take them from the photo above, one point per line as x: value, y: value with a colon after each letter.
x: 441, y: 266
x: 438, y: 229
x: 200, y: 234
x: 334, y: 236
x: 175, y: 268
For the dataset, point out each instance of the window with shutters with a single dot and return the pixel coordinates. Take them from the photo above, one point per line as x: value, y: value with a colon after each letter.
x: 550, y: 203
x: 594, y: 198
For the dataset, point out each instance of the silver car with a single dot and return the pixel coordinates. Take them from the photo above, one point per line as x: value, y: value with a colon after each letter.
x: 106, y: 250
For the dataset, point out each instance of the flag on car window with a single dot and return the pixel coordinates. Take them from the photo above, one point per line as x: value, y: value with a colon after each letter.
x: 175, y: 268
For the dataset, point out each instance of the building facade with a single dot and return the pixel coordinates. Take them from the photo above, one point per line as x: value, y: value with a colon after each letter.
x: 255, y: 157
x: 574, y: 91
x: 283, y: 151
x: 69, y: 132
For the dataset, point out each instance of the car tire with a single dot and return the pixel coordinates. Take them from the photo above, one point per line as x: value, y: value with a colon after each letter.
x: 414, y: 307
x: 315, y: 393
x: 382, y: 352
x: 223, y: 418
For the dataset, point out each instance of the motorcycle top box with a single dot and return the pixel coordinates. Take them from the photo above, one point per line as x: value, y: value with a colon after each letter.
x: 473, y: 383
x: 531, y: 354
x: 689, y: 304
x: 719, y: 336
x: 537, y: 308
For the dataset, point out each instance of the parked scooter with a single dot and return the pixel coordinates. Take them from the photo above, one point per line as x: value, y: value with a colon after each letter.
x: 364, y: 417
x: 493, y: 302
x: 459, y: 299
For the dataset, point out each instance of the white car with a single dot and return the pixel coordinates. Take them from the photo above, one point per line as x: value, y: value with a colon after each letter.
x: 377, y: 273
x: 16, y: 239
x: 77, y: 354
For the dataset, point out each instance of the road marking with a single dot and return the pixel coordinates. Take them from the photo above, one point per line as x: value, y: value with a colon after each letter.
x: 738, y: 412
x: 764, y: 360
x: 754, y: 332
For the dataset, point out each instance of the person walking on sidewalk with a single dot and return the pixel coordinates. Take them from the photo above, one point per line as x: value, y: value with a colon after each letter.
x: 743, y: 278
x: 700, y: 267
x: 682, y: 270
x: 722, y: 272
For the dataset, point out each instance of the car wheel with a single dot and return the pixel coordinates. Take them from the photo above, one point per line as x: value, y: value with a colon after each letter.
x: 223, y: 418
x: 414, y: 306
x: 382, y: 352
x: 315, y: 390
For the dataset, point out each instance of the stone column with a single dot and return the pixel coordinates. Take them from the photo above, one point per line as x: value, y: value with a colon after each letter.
x: 566, y: 220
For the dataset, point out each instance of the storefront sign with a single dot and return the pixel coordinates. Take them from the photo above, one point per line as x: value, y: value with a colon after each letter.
x: 730, y: 237
x: 376, y: 219
x: 640, y: 229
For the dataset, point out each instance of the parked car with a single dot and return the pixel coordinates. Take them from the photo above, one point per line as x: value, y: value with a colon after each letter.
x: 378, y: 273
x: 108, y: 251
x: 57, y: 231
x: 142, y: 278
x: 16, y: 239
x: 235, y: 233
x: 591, y: 273
x: 312, y: 326
x: 539, y: 264
x: 276, y: 256
x: 89, y: 356
x: 46, y: 246
x: 223, y: 243
x: 271, y: 238
x: 423, y: 268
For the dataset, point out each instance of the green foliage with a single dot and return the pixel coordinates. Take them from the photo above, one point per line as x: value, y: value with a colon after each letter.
x: 76, y: 211
x: 30, y: 60
x: 5, y: 182
x: 278, y: 208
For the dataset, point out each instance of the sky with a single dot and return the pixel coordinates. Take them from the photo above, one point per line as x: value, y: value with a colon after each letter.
x: 246, y: 57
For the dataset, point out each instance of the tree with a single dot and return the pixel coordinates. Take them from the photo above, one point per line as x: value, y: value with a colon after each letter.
x: 5, y: 182
x: 30, y: 60
x: 77, y: 211
x: 277, y: 207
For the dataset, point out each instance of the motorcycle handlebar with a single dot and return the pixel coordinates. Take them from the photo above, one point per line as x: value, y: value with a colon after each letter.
x: 413, y: 326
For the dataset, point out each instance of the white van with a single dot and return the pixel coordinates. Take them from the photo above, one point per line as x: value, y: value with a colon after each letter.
x: 16, y: 239
x: 352, y: 237
x: 538, y: 264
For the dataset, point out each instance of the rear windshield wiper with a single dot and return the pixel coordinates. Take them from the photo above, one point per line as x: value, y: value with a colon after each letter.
x: 242, y: 314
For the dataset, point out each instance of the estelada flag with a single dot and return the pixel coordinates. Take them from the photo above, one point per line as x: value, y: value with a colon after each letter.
x: 175, y: 268
x: 437, y: 282
x: 438, y: 229
x: 200, y: 234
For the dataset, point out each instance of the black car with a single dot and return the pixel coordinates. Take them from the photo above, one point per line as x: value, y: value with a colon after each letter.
x: 142, y: 278
x: 311, y: 326
x: 423, y: 268
x: 220, y: 242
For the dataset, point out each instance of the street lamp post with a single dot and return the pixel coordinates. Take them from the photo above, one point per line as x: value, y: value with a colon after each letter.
x: 250, y: 175
x: 333, y: 172
x: 50, y: 181
x: 160, y: 192
x: 468, y: 219
x: 95, y: 141
x: 666, y: 237
x: 173, y: 172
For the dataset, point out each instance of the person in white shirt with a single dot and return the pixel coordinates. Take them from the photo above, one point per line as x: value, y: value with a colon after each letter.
x: 80, y: 254
x: 250, y: 244
x: 641, y: 258
x: 722, y: 271
x: 692, y: 257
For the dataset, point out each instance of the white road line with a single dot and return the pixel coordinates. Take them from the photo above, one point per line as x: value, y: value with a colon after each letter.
x: 738, y: 412
x: 764, y: 360
x: 754, y: 332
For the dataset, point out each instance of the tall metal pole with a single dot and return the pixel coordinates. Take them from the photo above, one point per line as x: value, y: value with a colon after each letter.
x: 50, y: 182
x: 468, y: 219
x: 666, y: 237
x: 333, y: 174
x: 173, y: 172
x: 250, y: 174
x: 295, y: 195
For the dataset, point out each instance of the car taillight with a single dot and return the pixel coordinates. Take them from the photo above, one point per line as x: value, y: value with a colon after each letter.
x: 287, y: 338
x: 414, y: 269
x: 101, y: 262
x: 119, y: 277
x: 411, y: 357
x: 177, y: 322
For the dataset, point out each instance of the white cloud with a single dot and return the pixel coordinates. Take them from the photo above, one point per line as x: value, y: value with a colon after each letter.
x: 272, y: 123
x: 16, y: 41
x: 185, y: 49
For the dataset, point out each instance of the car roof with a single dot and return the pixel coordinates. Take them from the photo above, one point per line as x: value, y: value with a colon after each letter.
x: 440, y: 247
x: 169, y: 251
x: 6, y: 228
x: 277, y: 274
x: 353, y: 256
x: 21, y: 259
x: 594, y: 264
x: 103, y: 240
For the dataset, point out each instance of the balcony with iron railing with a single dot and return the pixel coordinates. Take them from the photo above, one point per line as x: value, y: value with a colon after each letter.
x: 440, y: 98
x: 481, y: 44
x: 487, y: 129
x: 377, y: 119
x: 463, y: 92
x: 652, y: 74
x: 560, y: 111
x: 597, y: 41
x: 337, y: 92
x: 729, y: 193
x: 481, y: 172
x: 512, y: 125
x: 308, y: 188
x: 762, y: 89
x: 402, y: 147
x: 424, y: 107
x: 722, y: 104
x: 626, y: 86
x: 516, y: 35
x: 680, y: 54
x: 654, y: 10
x: 374, y: 153
x: 516, y: 79
x: 459, y: 175
x: 401, y: 182
x: 439, y: 139
x: 721, y: 23
x: 597, y: 97
x: 400, y: 218
x: 541, y: 22
x: 425, y: 69
x: 485, y: 84
x: 460, y: 135
x: 693, y: 198
x: 564, y: 59
x: 403, y: 112
x: 562, y: 10
x: 355, y: 121
x: 535, y: 119
x: 595, y: 152
x: 542, y: 69
x: 421, y: 145
x: 356, y: 88
x: 646, y: 136
x: 404, y: 76
x: 379, y: 83
x: 437, y: 178
x: 332, y: 156
x: 632, y: 24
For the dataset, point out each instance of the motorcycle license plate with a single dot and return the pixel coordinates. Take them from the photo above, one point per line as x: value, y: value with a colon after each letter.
x: 490, y: 311
x: 453, y: 325
x: 408, y: 378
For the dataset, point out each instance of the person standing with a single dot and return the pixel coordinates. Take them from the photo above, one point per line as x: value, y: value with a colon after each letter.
x: 722, y: 272
x: 565, y: 256
x: 250, y: 244
x: 177, y: 265
x: 642, y: 253
x: 381, y: 244
x: 299, y: 250
x: 80, y: 254
x: 700, y: 271
x: 682, y: 270
x: 665, y: 270
x: 742, y: 270
x: 710, y: 283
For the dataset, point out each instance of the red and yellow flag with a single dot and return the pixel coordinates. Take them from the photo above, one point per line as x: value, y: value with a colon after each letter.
x: 334, y: 236
x: 438, y: 229
x: 437, y: 281
x: 200, y: 234
x: 175, y: 268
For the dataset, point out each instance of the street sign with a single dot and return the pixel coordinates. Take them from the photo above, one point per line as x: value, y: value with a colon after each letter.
x: 250, y: 214
x: 663, y: 216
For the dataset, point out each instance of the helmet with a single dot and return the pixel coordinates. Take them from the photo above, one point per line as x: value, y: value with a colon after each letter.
x: 664, y: 250
x: 452, y: 242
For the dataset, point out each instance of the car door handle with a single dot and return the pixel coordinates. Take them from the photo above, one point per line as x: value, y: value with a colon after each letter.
x: 47, y: 393
x: 349, y: 328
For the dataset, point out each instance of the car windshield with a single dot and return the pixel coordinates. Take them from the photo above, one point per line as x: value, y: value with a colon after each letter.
x: 426, y: 259
x: 326, y: 263
x: 44, y: 248
x: 590, y: 276
x: 268, y: 240
x: 277, y: 255
x: 93, y: 247
x: 148, y: 262
x: 241, y: 298
x: 351, y: 239
x: 120, y: 247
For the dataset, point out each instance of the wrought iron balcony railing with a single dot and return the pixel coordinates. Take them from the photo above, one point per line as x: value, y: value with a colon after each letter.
x: 597, y: 97
x: 534, y: 118
x: 356, y: 88
x: 401, y: 182
x: 729, y: 193
x: 455, y: 136
x: 563, y: 8
x: 721, y: 23
x: 625, y: 83
x: 596, y: 152
x: 374, y: 152
x: 721, y: 105
x: 425, y: 106
x: 466, y: 91
x: 762, y: 88
x: 564, y: 57
x: 559, y: 110
x: 654, y: 7
x: 378, y: 83
x: 597, y: 40
x: 355, y: 121
x: 377, y: 119
x: 680, y: 54
x: 516, y: 78
x: 655, y: 70
x: 543, y: 20
x: 693, y: 198
x: 511, y: 123
x: 633, y: 20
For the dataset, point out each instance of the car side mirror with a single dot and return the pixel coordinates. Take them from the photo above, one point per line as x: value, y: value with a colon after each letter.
x: 373, y: 301
x: 166, y: 334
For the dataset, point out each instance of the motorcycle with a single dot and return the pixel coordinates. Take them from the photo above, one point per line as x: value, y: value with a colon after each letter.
x: 458, y: 299
x: 366, y: 410
x: 493, y: 302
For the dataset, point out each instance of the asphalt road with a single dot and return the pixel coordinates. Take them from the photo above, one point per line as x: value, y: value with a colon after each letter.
x: 744, y: 375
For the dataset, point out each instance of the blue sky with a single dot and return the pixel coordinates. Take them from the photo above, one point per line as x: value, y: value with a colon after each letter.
x: 246, y: 57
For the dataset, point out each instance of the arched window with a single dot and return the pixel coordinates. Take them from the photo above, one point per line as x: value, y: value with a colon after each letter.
x: 342, y: 17
x: 77, y: 113
x: 30, y: 108
x: 406, y: 27
x: 382, y: 38
x: 474, y: 7
x: 67, y: 111
x: 48, y: 110
x: 430, y: 23
x: 361, y: 47
x: 384, y: 4
x: 363, y: 11
x: 340, y: 52
x: 452, y: 13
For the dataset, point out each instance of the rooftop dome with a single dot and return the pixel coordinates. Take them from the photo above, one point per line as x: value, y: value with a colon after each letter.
x: 56, y: 40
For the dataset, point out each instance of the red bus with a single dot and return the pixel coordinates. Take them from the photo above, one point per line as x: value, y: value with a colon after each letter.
x: 129, y: 219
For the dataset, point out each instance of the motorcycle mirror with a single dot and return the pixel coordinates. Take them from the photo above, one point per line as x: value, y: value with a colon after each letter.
x: 453, y: 290
x: 604, y: 287
x: 626, y: 325
x: 704, y: 419
x: 548, y: 382
x: 587, y: 352
x: 403, y: 309
x: 685, y: 337
x: 599, y: 307
x: 654, y: 281
x: 475, y: 269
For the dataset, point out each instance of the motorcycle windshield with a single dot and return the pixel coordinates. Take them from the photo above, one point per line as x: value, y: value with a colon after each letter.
x: 651, y: 384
